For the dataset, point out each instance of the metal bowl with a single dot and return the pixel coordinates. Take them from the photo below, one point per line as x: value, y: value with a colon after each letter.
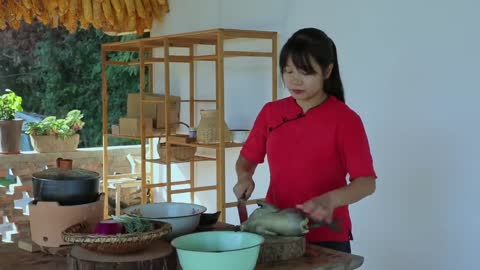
x: 184, y: 217
x: 218, y: 250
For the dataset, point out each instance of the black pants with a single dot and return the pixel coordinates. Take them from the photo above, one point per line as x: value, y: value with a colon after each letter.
x: 340, y: 246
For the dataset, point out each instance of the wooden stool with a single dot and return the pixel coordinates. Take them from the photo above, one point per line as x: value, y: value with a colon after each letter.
x: 153, y: 257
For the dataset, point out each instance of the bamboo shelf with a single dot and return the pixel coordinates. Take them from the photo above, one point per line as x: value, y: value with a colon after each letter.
x: 144, y: 48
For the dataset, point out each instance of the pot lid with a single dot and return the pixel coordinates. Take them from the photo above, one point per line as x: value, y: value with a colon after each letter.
x: 62, y: 174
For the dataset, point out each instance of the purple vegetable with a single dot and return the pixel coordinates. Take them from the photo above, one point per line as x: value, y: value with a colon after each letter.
x: 108, y: 227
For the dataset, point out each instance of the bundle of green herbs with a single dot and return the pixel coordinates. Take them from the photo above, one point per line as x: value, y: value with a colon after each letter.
x: 134, y: 224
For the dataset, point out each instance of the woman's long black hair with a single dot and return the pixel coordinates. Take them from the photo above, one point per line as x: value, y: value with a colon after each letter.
x: 312, y: 42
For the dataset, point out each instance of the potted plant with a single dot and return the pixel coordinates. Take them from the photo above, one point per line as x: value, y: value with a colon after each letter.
x: 10, y: 128
x: 56, y: 135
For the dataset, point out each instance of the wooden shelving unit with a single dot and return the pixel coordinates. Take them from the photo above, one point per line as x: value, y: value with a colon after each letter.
x: 145, y: 47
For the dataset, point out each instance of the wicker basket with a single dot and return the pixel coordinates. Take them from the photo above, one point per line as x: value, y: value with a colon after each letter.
x: 50, y: 144
x: 207, y: 131
x: 178, y: 152
x: 114, y: 244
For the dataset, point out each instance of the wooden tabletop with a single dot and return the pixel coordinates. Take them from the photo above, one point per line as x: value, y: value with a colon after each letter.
x: 317, y: 258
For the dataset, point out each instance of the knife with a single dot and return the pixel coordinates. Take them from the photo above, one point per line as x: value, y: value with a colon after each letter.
x: 242, y: 209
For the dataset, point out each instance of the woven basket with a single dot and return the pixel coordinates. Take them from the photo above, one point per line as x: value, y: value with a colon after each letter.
x: 50, y: 144
x: 114, y: 244
x: 179, y: 152
x: 207, y: 131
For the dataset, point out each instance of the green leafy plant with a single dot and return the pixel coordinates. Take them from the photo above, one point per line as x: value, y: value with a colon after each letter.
x: 62, y: 128
x: 10, y: 103
x: 134, y: 224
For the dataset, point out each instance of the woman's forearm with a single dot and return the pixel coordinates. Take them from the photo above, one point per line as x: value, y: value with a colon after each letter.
x: 245, y: 168
x: 355, y: 191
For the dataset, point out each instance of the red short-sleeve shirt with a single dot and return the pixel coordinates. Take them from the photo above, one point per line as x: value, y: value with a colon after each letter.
x: 310, y: 154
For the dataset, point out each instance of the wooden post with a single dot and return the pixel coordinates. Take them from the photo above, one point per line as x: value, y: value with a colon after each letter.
x: 192, y: 116
x: 142, y: 122
x: 274, y: 67
x: 221, y: 132
x: 105, y: 131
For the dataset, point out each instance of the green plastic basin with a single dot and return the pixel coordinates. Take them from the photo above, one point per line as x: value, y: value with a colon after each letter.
x: 218, y: 250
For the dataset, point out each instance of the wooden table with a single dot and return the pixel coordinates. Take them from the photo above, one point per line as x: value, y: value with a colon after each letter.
x: 317, y: 258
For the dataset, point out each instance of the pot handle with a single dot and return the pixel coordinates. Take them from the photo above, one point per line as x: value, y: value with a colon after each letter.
x: 64, y: 164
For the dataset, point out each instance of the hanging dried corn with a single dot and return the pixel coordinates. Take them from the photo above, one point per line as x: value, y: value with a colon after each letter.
x: 156, y: 9
x: 148, y: 23
x: 116, y: 5
x: 139, y: 9
x: 130, y: 4
x: 84, y: 23
x: 27, y: 4
x: 97, y: 14
x: 52, y: 6
x: 3, y: 13
x: 110, y: 15
x: 3, y: 24
x: 108, y: 12
x: 11, y: 16
x: 121, y: 16
x: 38, y: 8
x: 28, y: 16
x: 62, y: 7
x: 71, y: 22
x: 140, y: 26
x: 87, y: 10
x: 147, y: 6
x: 19, y: 11
x: 120, y: 12
x: 131, y: 23
x: 12, y: 21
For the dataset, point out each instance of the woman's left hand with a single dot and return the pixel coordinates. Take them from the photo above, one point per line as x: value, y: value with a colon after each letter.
x: 319, y: 208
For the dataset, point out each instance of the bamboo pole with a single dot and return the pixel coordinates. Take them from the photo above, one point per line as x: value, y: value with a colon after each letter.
x: 221, y: 131
x: 150, y: 140
x: 274, y: 68
x: 191, y: 104
x: 105, y: 131
x: 167, y: 118
x: 142, y: 123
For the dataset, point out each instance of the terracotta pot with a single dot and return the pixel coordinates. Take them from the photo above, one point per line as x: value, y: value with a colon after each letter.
x: 10, y: 136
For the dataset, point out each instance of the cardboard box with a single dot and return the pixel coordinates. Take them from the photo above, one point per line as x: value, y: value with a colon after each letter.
x: 115, y: 129
x: 155, y: 111
x: 131, y: 126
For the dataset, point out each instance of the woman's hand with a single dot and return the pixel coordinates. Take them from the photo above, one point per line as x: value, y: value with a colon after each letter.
x: 320, y: 208
x: 245, y: 185
x: 243, y: 188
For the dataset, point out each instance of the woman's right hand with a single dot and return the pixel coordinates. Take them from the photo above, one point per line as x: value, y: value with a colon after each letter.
x: 243, y: 188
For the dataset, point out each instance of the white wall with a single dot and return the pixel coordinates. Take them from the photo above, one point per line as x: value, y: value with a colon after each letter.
x: 410, y: 69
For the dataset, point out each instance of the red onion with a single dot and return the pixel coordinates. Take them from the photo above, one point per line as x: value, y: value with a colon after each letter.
x: 108, y: 227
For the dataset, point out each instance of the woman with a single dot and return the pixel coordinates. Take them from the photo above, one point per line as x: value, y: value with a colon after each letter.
x: 312, y: 140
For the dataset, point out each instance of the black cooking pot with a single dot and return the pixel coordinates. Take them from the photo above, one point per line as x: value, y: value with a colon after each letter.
x: 65, y: 185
